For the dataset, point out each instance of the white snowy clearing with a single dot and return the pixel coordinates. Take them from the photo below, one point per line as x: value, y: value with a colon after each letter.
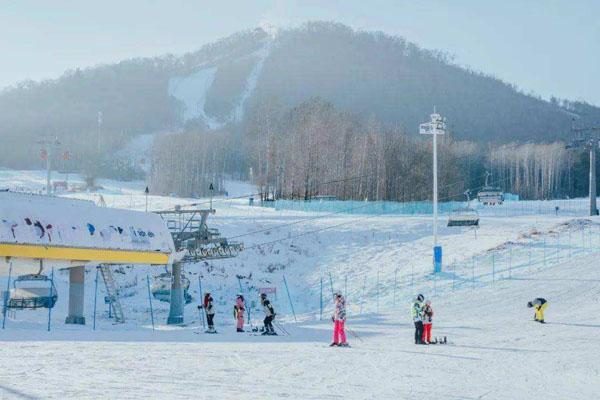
x: 495, y: 350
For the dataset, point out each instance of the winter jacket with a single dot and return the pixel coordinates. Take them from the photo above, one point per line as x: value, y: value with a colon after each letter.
x: 427, y: 314
x: 416, y: 311
x: 268, y: 308
x: 208, y: 305
x: 239, y: 308
x: 339, y: 314
x: 539, y: 302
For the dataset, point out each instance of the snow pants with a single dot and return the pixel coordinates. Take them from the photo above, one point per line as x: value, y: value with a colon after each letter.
x: 426, y: 332
x: 269, y: 324
x: 418, y: 332
x: 240, y: 320
x: 539, y: 311
x: 338, y: 332
x: 209, y: 319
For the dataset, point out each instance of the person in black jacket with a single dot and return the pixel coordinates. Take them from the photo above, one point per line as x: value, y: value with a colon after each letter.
x: 269, y: 315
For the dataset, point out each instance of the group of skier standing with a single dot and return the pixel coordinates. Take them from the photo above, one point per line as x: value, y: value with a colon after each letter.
x: 422, y: 315
x: 239, y: 310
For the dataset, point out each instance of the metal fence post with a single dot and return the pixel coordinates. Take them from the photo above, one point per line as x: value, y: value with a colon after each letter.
x: 50, y: 308
x: 558, y: 248
x: 377, y: 291
x: 362, y: 299
x: 510, y: 261
x: 289, y: 298
x: 6, y: 296
x: 95, y: 297
x: 473, y: 271
x: 201, y: 302
x: 321, y: 299
x: 150, y: 301
x: 395, y: 284
x: 544, y: 250
x: 331, y: 285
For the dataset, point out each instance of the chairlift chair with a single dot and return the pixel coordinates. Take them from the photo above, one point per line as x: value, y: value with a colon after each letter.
x: 31, y: 292
x: 465, y: 216
x: 490, y: 195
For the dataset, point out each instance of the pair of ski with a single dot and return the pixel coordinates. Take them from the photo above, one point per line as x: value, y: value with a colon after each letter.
x: 207, y: 331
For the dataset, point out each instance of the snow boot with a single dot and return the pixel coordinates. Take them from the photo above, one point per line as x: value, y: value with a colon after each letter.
x: 265, y: 333
x: 240, y: 330
x: 334, y: 344
x: 344, y: 345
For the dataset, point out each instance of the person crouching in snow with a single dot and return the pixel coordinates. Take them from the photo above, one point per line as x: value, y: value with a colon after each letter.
x: 417, y: 315
x: 210, y: 312
x: 427, y: 315
x: 238, y: 312
x: 539, y: 305
x: 269, y: 315
x: 339, y: 320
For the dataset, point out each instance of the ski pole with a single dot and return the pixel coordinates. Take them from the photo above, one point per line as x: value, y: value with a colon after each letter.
x: 350, y: 331
x: 281, y: 328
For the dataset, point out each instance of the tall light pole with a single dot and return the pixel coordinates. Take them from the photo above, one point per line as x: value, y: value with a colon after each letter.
x: 435, y: 127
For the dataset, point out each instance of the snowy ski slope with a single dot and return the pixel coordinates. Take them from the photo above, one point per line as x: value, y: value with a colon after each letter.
x: 496, y: 351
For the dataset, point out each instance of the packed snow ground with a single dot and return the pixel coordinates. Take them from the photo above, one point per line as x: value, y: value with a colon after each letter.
x: 495, y: 350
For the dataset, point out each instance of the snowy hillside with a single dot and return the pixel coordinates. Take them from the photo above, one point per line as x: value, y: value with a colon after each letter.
x: 380, y: 262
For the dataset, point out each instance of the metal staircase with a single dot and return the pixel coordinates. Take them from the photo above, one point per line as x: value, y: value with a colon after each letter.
x: 112, y: 292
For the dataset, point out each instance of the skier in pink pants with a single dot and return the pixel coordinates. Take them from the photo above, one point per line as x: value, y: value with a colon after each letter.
x: 238, y: 312
x: 339, y: 320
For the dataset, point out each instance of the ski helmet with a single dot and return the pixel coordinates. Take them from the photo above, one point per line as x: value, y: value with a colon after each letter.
x: 263, y: 295
x: 420, y: 297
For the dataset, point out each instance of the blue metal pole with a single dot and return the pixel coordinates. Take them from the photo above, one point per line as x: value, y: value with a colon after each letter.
x: 362, y: 299
x: 321, y: 298
x: 95, y: 297
x: 50, y: 308
x: 395, y: 284
x: 289, y: 298
x: 377, y: 292
x: 6, y: 294
x: 150, y: 301
x: 331, y: 284
x: 249, y: 302
x: 201, y: 301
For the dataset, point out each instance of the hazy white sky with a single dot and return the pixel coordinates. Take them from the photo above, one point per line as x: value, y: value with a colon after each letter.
x: 550, y: 47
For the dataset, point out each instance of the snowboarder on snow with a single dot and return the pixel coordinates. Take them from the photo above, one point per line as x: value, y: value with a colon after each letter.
x: 539, y: 305
x: 339, y: 320
x: 269, y: 315
x: 238, y: 312
x: 417, y: 312
x: 210, y: 312
x: 427, y: 316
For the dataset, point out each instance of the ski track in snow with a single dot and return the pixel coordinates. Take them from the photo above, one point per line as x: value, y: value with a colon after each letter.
x: 193, y: 89
x: 496, y: 351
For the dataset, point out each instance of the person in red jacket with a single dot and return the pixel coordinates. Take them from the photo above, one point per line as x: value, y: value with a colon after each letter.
x: 427, y: 315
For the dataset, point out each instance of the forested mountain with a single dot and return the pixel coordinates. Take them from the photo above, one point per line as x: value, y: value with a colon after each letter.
x: 270, y: 96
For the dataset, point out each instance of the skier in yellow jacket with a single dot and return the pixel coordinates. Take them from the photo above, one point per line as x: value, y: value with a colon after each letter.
x: 539, y: 305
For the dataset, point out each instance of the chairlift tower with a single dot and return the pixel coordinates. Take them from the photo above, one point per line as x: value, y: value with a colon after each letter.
x: 590, y: 142
x: 435, y: 127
